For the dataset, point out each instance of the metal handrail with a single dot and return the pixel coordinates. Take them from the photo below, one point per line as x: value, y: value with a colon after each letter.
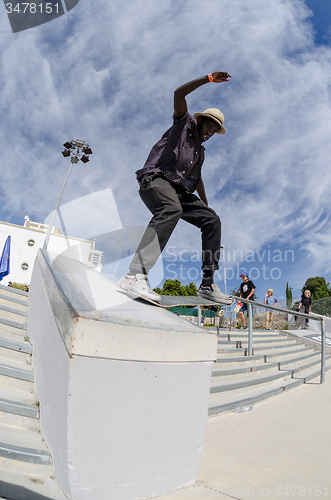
x: 314, y: 317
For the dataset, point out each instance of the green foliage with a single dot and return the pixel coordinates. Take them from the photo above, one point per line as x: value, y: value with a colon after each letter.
x: 175, y: 287
x: 235, y: 291
x: 18, y: 286
x: 318, y: 287
x: 288, y: 296
x: 322, y: 306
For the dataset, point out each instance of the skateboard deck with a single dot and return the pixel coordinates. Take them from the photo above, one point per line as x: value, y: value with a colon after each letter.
x: 175, y: 300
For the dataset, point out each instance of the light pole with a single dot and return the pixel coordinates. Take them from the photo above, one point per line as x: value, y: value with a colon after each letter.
x: 77, y: 150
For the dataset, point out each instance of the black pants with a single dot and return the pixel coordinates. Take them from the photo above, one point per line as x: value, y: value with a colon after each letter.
x: 169, y: 203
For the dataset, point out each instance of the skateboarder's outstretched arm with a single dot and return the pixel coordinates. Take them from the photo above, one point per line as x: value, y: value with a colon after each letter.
x: 180, y: 105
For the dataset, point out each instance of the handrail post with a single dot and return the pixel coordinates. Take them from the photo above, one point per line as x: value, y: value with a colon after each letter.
x: 199, y: 316
x: 323, y: 348
x: 250, y: 330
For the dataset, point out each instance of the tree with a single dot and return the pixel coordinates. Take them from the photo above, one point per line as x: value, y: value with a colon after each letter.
x: 175, y: 287
x: 289, y: 297
x: 318, y: 287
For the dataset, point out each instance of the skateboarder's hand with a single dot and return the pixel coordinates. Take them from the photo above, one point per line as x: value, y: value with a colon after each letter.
x: 221, y: 76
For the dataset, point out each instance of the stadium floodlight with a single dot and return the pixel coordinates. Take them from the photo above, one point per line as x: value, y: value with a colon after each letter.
x: 87, y: 150
x: 77, y: 151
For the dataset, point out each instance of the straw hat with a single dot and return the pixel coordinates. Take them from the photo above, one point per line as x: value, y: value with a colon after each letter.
x: 216, y: 115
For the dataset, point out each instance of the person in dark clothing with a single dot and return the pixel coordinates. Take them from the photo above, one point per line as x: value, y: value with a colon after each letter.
x: 167, y: 181
x: 247, y: 289
x: 306, y: 302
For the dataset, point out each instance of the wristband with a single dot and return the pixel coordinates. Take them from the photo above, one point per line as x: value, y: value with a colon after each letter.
x: 210, y: 78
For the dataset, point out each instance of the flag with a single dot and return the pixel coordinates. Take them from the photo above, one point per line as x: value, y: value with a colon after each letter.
x: 5, y: 259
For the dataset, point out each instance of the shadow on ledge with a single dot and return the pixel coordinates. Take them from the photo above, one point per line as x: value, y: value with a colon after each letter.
x: 14, y: 492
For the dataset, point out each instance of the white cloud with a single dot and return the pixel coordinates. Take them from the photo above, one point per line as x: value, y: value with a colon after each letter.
x: 106, y: 72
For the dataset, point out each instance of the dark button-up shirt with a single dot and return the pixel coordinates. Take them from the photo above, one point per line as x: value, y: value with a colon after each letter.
x: 174, y: 154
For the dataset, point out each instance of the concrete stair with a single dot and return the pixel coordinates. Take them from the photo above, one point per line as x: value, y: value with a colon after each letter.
x: 279, y: 362
x: 26, y: 469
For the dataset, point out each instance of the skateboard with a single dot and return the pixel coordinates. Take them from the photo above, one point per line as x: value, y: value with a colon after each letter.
x: 174, y: 300
x: 299, y: 320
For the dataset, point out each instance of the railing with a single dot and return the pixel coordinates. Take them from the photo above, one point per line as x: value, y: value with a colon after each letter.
x: 313, y: 317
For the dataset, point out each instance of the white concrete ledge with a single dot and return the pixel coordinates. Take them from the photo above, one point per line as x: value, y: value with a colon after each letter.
x: 123, y: 330
x: 123, y: 385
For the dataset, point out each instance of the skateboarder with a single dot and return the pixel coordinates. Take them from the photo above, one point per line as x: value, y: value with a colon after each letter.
x: 167, y: 181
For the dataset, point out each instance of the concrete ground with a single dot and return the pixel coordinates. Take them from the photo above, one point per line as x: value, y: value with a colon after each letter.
x: 279, y: 450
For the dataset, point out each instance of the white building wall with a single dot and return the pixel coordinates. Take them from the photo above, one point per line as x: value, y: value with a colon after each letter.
x: 22, y: 253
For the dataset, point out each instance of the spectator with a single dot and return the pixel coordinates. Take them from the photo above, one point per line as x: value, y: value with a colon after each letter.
x: 247, y: 289
x: 271, y: 301
x: 306, y: 302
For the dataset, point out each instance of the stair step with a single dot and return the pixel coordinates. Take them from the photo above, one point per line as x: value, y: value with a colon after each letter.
x: 16, y: 369
x: 297, y: 366
x: 14, y: 292
x: 12, y: 314
x: 13, y: 355
x: 293, y: 362
x: 24, y: 445
x: 237, y: 384
x: 222, y: 405
x: 15, y: 383
x: 248, y: 368
x: 8, y: 325
x: 310, y: 374
x: 226, y: 369
x: 19, y: 421
x: 259, y: 349
x: 28, y: 481
x: 281, y: 356
x: 15, y: 342
x: 18, y: 402
x: 12, y: 301
x: 256, y: 338
x: 228, y: 401
x: 256, y: 342
x: 306, y: 353
x: 12, y: 376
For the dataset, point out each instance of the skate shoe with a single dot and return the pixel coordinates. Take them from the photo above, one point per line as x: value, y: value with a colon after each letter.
x: 212, y: 292
x: 139, y: 286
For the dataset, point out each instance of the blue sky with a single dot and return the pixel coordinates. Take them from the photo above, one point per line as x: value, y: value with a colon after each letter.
x: 105, y: 72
